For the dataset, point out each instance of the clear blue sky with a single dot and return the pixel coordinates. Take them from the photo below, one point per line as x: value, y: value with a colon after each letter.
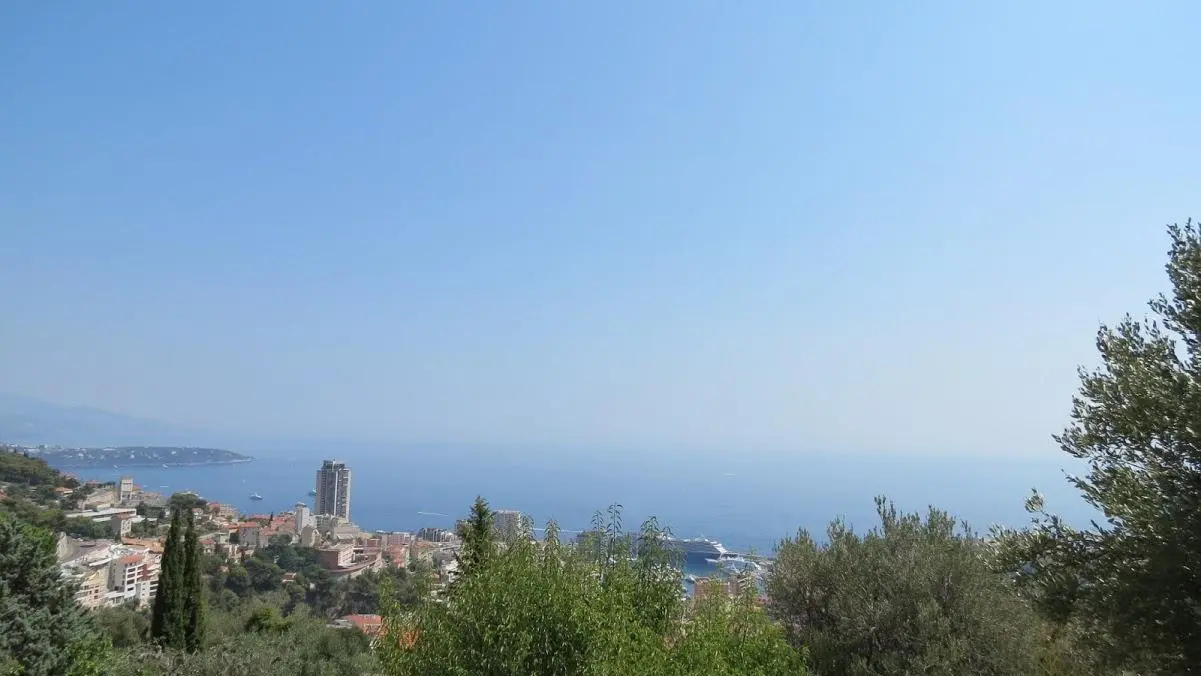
x: 772, y: 227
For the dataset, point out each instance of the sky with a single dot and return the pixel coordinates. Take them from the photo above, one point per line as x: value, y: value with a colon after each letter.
x: 771, y: 227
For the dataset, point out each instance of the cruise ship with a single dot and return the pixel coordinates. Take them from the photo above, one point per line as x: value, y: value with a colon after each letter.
x: 695, y: 548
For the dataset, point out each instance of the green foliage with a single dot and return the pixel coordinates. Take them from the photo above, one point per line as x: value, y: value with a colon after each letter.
x: 237, y: 580
x: 143, y: 529
x: 124, y: 626
x: 362, y: 594
x: 178, y: 618
x: 305, y: 647
x: 151, y: 511
x: 1132, y: 582
x: 193, y: 596
x: 42, y: 628
x: 264, y: 575
x: 547, y: 609
x: 478, y: 546
x: 185, y: 501
x: 288, y: 556
x: 79, y: 528
x: 167, y: 623
x: 910, y: 596
x: 266, y: 619
x: 29, y: 484
x: 53, y: 519
x: 20, y: 469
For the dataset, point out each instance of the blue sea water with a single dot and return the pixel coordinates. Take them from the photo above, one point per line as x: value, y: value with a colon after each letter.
x: 748, y: 504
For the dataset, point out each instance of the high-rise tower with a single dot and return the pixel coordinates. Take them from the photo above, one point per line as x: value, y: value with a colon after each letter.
x: 333, y: 489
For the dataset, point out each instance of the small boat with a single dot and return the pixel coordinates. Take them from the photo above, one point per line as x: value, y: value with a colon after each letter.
x: 691, y: 579
x: 256, y: 497
x: 313, y: 493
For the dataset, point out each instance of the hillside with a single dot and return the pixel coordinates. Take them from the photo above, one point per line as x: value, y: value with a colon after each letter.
x: 28, y: 421
x: 136, y: 456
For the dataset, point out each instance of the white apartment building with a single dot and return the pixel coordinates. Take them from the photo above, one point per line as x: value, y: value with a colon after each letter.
x: 303, y: 517
x: 125, y: 573
x: 333, y: 489
x: 133, y: 575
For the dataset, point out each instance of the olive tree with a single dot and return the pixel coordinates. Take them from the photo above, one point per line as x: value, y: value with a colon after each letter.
x: 909, y: 596
x: 1132, y: 580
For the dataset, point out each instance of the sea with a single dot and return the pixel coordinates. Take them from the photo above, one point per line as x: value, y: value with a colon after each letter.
x: 747, y: 502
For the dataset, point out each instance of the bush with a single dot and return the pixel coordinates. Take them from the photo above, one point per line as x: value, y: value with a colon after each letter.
x: 304, y: 648
x: 911, y: 596
x: 546, y: 609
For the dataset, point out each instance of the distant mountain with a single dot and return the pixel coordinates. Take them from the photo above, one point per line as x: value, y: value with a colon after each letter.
x: 24, y: 420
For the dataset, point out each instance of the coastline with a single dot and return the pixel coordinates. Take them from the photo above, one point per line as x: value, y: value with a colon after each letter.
x: 145, y: 464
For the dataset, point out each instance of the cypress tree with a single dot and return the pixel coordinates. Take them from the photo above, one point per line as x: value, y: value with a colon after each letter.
x: 193, y: 594
x: 476, y: 532
x: 168, y: 621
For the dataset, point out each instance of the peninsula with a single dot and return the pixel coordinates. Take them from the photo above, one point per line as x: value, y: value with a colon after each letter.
x: 134, y: 456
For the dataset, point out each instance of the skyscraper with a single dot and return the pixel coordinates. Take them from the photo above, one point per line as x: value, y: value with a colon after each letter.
x: 508, y: 523
x: 333, y: 489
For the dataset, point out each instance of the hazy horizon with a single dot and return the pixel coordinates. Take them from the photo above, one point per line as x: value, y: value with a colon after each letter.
x: 772, y: 229
x: 349, y: 448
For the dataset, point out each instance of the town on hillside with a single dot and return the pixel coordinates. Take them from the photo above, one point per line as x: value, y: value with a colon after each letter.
x: 124, y: 569
x: 110, y: 540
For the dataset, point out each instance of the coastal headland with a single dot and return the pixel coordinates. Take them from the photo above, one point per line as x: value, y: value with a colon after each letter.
x: 134, y: 456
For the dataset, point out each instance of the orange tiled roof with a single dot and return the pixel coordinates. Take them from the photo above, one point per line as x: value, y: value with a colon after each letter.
x: 368, y: 624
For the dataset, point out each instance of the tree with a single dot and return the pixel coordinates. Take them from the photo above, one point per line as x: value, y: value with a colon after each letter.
x: 238, y: 580
x: 43, y: 630
x: 910, y: 596
x: 266, y: 619
x: 264, y: 575
x: 186, y: 501
x: 168, y: 621
x: 178, y: 617
x: 1132, y: 581
x: 124, y: 626
x: 543, y: 608
x: 193, y: 590
x: 476, y: 532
